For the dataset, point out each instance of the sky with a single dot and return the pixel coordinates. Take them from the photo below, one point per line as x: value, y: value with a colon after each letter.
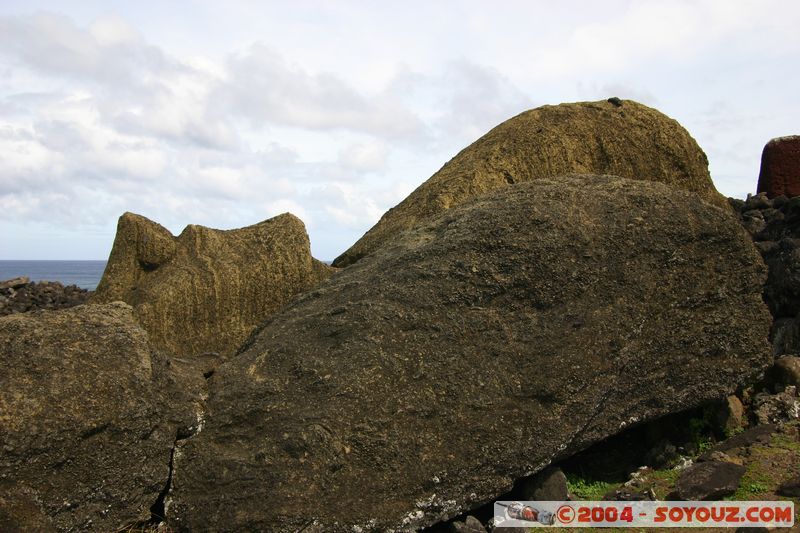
x: 228, y: 113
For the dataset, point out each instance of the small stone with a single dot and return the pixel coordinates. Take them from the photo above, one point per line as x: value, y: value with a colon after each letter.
x: 709, y: 481
x: 548, y: 485
x: 785, y: 337
x: 779, y: 201
x: 787, y: 371
x: 737, y: 204
x: 469, y: 525
x: 723, y: 458
x: 753, y: 221
x: 790, y: 488
x: 759, y: 201
x: 772, y: 215
x: 662, y: 454
x: 729, y: 415
x: 758, y: 434
x: 777, y: 408
x: 626, y: 495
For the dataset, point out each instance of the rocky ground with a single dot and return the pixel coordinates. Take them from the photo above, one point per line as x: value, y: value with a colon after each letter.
x: 710, y: 453
x: 20, y: 295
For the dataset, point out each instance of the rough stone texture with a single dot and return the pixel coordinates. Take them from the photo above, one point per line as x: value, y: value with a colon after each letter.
x: 780, y: 167
x: 774, y: 225
x: 20, y: 295
x: 769, y: 220
x: 734, y: 445
x: 629, y: 140
x: 469, y: 525
x: 508, y: 333
x: 710, y: 480
x: 548, y: 485
x: 729, y: 415
x: 790, y: 488
x: 783, y: 406
x: 207, y: 290
x: 785, y: 336
x: 787, y: 371
x: 782, y: 290
x: 87, y: 421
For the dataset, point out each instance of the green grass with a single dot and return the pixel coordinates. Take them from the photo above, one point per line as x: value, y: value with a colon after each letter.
x: 781, y: 441
x: 755, y: 481
x: 668, y: 474
x: 585, y: 489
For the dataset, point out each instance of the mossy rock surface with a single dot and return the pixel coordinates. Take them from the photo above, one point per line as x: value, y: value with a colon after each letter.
x: 624, y: 138
x: 505, y: 335
x: 207, y: 289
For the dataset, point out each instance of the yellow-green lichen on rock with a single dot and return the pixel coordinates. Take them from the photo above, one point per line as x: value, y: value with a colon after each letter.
x: 619, y: 137
x: 207, y: 289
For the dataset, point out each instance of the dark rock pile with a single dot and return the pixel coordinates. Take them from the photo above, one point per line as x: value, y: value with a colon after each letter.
x: 774, y: 225
x: 20, y: 295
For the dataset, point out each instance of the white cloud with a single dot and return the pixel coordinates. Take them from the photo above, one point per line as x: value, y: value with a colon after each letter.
x: 653, y: 30
x: 336, y: 113
x: 113, y: 30
x: 364, y: 157
x: 263, y: 88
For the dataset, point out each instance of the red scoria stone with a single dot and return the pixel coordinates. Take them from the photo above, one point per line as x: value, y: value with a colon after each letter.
x: 780, y: 167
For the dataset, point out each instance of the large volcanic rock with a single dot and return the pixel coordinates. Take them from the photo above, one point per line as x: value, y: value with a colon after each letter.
x: 780, y: 167
x: 88, y: 420
x: 507, y: 333
x: 619, y: 137
x: 206, y: 290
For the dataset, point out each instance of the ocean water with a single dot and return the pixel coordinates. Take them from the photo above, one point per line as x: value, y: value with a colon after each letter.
x: 84, y: 274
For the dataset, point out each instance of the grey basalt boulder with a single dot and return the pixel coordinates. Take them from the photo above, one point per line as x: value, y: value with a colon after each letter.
x: 508, y: 333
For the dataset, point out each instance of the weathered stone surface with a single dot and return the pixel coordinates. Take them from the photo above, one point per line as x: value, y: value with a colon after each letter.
x: 548, y: 485
x: 783, y: 406
x: 629, y: 140
x: 790, y: 488
x: 776, y: 219
x: 510, y: 332
x: 207, y: 290
x: 787, y: 371
x: 785, y: 336
x: 729, y: 415
x: 469, y: 525
x: 710, y: 480
x: 780, y: 167
x: 782, y: 290
x: 87, y: 423
x: 758, y: 434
